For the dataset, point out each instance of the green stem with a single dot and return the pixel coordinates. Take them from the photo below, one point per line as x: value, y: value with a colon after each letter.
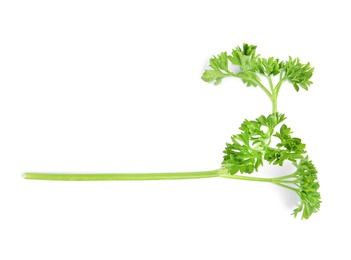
x: 273, y: 96
x: 222, y: 172
x: 270, y: 81
x: 287, y: 181
x: 277, y: 87
x: 139, y: 176
x: 264, y: 89
x: 120, y: 176
x: 289, y: 176
x: 246, y: 178
x: 286, y: 186
x: 274, y: 104
x: 275, y: 93
x: 258, y: 83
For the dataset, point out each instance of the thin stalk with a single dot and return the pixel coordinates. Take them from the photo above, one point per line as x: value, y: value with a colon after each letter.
x: 264, y: 89
x: 287, y: 181
x: 258, y: 83
x: 139, y: 176
x: 270, y: 81
x: 222, y: 172
x: 275, y: 93
x: 290, y: 176
x: 120, y: 176
x: 246, y: 178
x: 273, y: 96
x: 274, y: 104
x: 286, y: 186
x: 277, y: 87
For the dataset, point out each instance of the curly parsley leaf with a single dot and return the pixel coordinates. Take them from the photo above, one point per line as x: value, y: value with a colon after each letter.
x: 245, y: 153
x: 242, y: 57
x: 298, y: 74
x: 305, y: 183
x: 289, y: 148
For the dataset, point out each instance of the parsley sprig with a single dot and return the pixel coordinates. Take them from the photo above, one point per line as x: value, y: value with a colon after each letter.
x: 249, y: 149
x: 253, y: 70
x: 252, y: 147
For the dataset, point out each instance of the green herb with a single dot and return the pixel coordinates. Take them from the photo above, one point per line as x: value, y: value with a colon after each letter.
x: 248, y: 150
x: 252, y: 68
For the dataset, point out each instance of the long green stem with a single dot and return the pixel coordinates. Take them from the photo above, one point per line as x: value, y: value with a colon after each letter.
x: 222, y: 172
x: 120, y: 176
x: 140, y: 176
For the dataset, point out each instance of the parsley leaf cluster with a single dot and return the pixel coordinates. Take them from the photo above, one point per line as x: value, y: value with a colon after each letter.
x: 252, y: 66
x: 248, y: 150
x: 252, y: 69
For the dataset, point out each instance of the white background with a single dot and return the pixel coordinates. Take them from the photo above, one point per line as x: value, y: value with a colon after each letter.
x: 114, y: 86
